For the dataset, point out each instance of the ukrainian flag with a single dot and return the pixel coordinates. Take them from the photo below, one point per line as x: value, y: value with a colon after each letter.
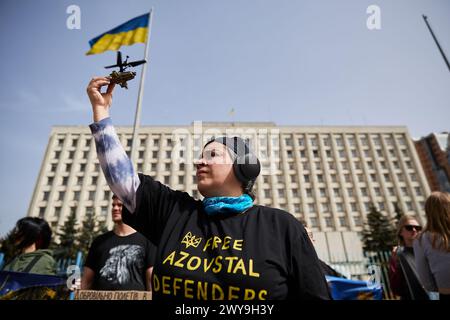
x: 133, y: 31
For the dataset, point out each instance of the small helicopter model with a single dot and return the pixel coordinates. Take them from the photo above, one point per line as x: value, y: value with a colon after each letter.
x: 123, y: 76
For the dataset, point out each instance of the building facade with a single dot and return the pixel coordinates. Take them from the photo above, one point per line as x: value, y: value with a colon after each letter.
x: 434, y: 154
x: 325, y: 175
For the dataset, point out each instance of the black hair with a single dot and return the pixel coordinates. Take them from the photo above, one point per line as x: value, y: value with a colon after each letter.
x: 31, y: 230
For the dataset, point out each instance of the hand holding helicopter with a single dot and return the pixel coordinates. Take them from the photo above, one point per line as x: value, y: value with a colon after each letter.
x: 121, y: 77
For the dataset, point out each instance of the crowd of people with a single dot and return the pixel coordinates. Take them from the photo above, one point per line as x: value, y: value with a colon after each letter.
x: 224, y: 246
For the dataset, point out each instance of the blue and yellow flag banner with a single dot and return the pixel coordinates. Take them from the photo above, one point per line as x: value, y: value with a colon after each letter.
x: 346, y: 289
x: 131, y: 32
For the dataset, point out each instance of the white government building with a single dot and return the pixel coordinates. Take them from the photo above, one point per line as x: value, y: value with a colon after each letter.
x: 325, y: 175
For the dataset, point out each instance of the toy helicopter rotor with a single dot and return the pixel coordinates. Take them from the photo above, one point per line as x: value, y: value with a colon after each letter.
x: 121, y: 77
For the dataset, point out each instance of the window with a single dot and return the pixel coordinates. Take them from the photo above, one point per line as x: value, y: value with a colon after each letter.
x: 168, y: 154
x: 343, y: 221
x: 350, y: 192
x: 140, y: 167
x: 339, y: 142
x: 92, y: 195
x: 347, y: 178
x: 328, y: 153
x: 381, y: 206
x: 379, y: 153
x: 306, y: 177
x: 373, y: 177
x: 344, y: 165
x: 153, y: 167
x: 41, y: 212
x: 295, y: 193
x: 297, y: 208
x: 90, y: 210
x: 358, y: 165
x: 293, y: 178
x: 339, y: 207
x: 383, y: 165
x: 311, y: 207
x: 281, y: 193
x: 318, y: 165
x: 360, y: 178
x: 391, y: 191
x: 353, y: 206
x: 68, y: 167
x: 323, y: 192
x: 289, y: 154
x: 288, y: 142
x: 326, y: 142
x: 46, y: 195
x: 181, y: 167
x: 166, y: 179
x: 103, y: 211
x: 320, y: 178
x: 364, y: 142
x: 329, y: 222
x: 354, y: 153
x: 413, y: 177
x: 60, y: 142
x: 180, y: 179
x: 61, y: 196
x: 404, y: 191
x: 305, y: 165
x: 57, y: 211
x: 418, y: 191
x: 325, y: 207
x: 337, y: 192
x: 408, y: 164
x: 76, y: 195
x: 142, y: 141
x: 314, y: 142
x: 351, y: 141
x: 308, y: 192
x: 49, y: 181
x: 400, y: 177
x: 387, y: 178
x: 82, y: 167
x: 342, y: 153
x: 79, y: 181
x: 377, y: 192
x: 314, y: 223
x: 87, y: 142
x: 53, y: 167
x: 57, y: 154
x: 316, y: 154
x: 302, y: 154
x: 65, y: 180
x: 267, y: 193
x: 96, y: 167
x: 409, y: 205
x: 167, y: 166
x: 370, y: 165
x: 331, y: 165
x: 333, y: 178
x: 141, y: 154
x: 358, y: 221
x: 94, y: 180
x: 156, y: 142
x: 106, y: 195
x: 85, y: 154
x: 364, y: 192
x: 266, y: 179
x: 155, y: 154
x: 301, y: 142
x: 74, y: 142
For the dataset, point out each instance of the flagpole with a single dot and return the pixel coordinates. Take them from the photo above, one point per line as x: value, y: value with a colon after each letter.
x: 137, y: 116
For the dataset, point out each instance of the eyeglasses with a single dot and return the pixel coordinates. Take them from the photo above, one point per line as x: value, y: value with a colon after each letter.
x: 410, y: 227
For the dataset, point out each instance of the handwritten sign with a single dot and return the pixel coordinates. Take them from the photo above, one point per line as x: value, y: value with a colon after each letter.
x: 112, y: 295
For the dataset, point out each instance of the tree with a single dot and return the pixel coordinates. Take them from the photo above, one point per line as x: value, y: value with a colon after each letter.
x: 91, y: 228
x: 398, y: 213
x: 379, y: 233
x: 87, y: 233
x: 68, y: 238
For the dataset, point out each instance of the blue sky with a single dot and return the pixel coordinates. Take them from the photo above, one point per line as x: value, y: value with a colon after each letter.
x: 287, y: 61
